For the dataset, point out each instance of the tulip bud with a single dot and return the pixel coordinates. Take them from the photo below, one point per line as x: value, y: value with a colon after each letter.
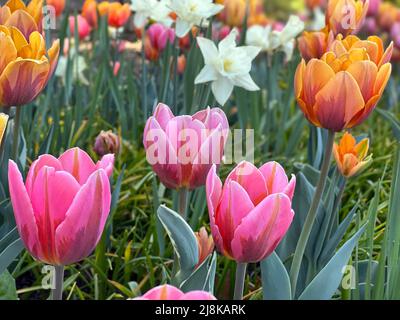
x: 346, y: 16
x: 181, y: 64
x: 107, y: 142
x: 89, y: 12
x: 83, y: 26
x: 313, y: 45
x: 205, y: 244
x: 160, y: 35
x: 3, y: 125
x: 351, y: 158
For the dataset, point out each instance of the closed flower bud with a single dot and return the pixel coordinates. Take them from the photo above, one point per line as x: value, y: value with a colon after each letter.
x: 205, y: 243
x: 107, y: 142
x: 351, y: 158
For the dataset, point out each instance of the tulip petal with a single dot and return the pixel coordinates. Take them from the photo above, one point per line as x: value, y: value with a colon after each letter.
x: 262, y: 230
x: 78, y: 163
x: 106, y: 163
x: 23, y: 211
x: 84, y: 222
x: 338, y: 102
x: 275, y: 177
x: 198, y: 295
x: 163, y: 115
x: 8, y: 51
x: 365, y: 73
x: 22, y: 81
x: 164, y: 292
x: 23, y: 22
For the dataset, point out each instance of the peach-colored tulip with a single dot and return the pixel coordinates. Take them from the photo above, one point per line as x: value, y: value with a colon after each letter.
x: 59, y: 6
x: 25, y: 66
x: 3, y: 125
x: 25, y: 18
x: 89, y: 12
x: 341, y: 89
x: 388, y: 14
x: 118, y: 14
x: 205, y: 244
x: 83, y: 26
x: 346, y: 16
x: 314, y: 44
x: 181, y: 64
x: 182, y: 149
x: 251, y: 212
x: 168, y: 292
x: 63, y: 206
x: 351, y: 157
x: 234, y: 12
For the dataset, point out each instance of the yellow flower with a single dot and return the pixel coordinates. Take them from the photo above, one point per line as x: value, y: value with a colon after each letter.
x: 25, y: 66
x: 3, y: 125
x: 351, y: 157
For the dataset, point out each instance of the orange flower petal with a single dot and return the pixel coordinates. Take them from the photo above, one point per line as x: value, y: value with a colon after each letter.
x: 36, y: 48
x: 338, y: 102
x: 22, y: 81
x: 365, y: 73
x: 23, y: 21
x: 5, y: 14
x: 15, y: 5
x: 8, y: 51
x: 382, y: 78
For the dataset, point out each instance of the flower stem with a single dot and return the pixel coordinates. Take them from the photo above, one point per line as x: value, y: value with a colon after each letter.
x: 56, y: 293
x: 239, y: 281
x: 183, y: 198
x: 16, y: 129
x: 312, y: 213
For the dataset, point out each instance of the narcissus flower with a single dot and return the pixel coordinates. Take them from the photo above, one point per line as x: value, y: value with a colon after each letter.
x: 251, y: 212
x: 341, y: 89
x: 25, y: 18
x: 227, y: 66
x: 351, y: 157
x: 192, y: 13
x: 59, y: 6
x: 63, y: 206
x: 3, y: 125
x: 346, y: 16
x: 272, y: 40
x: 167, y: 292
x: 182, y: 149
x: 155, y: 10
x: 25, y: 66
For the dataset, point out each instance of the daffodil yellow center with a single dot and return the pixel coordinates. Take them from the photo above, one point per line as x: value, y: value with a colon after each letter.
x: 228, y: 65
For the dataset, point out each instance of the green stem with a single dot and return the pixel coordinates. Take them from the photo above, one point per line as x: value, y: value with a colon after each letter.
x: 183, y: 198
x: 312, y: 213
x: 56, y: 293
x: 17, y: 121
x: 239, y: 281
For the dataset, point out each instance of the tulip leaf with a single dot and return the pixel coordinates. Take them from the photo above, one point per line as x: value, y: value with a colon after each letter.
x: 8, y: 290
x: 275, y: 279
x: 183, y: 240
x: 393, y: 121
x: 327, y: 281
x: 9, y: 254
x: 203, y: 277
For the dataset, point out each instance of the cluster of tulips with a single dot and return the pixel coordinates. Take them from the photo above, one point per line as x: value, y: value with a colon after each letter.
x: 63, y: 205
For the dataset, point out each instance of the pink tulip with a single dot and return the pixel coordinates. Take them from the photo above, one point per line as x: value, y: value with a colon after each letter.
x: 251, y: 212
x: 159, y: 36
x: 63, y: 206
x: 373, y: 7
x: 167, y: 292
x: 83, y: 26
x: 183, y: 149
x: 395, y: 34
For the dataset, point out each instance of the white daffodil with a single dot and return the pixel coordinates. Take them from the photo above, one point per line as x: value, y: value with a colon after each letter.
x: 226, y: 66
x: 192, y: 13
x: 318, y: 21
x: 270, y: 40
x: 156, y: 10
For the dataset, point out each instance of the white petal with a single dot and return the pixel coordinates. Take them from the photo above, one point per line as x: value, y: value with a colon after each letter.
x: 208, y: 49
x: 182, y: 27
x: 246, y: 82
x: 207, y: 74
x: 139, y: 20
x: 288, y: 49
x: 251, y: 51
x: 228, y: 43
x: 222, y: 89
x: 293, y: 28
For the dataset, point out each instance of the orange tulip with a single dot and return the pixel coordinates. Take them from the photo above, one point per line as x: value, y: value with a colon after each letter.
x: 3, y: 125
x: 118, y: 14
x: 25, y: 66
x: 26, y: 18
x: 89, y: 12
x: 235, y: 11
x: 312, y: 4
x: 341, y: 89
x: 346, y: 16
x: 205, y: 244
x: 351, y: 157
x: 314, y: 44
x: 59, y: 6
